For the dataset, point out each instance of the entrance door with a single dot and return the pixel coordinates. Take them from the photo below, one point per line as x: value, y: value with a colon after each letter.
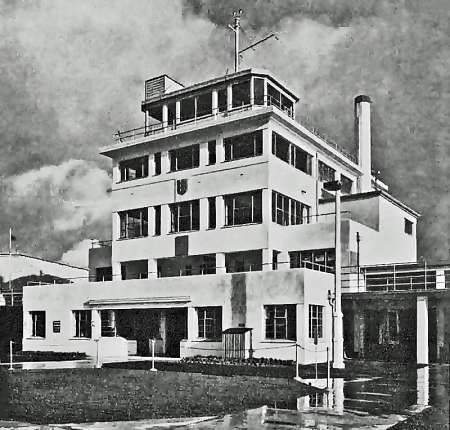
x: 176, y: 330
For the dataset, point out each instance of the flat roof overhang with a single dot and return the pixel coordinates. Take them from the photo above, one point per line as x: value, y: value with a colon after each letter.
x: 139, y: 302
x: 217, y: 81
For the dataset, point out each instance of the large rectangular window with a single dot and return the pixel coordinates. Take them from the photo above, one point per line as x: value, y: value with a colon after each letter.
x: 315, y: 322
x: 212, y: 152
x: 243, y: 146
x: 133, y: 223
x: 37, y: 323
x: 210, y: 322
x: 258, y: 91
x: 323, y: 260
x: 157, y: 163
x: 281, y: 322
x: 204, y: 105
x: 347, y: 185
x: 82, y: 323
x: 135, y: 168
x: 287, y: 211
x: 290, y: 153
x: 326, y: 173
x: 244, y: 208
x: 222, y: 103
x: 187, y: 109
x: 185, y: 216
x: 157, y: 212
x: 241, y: 94
x: 184, y: 158
x: 275, y: 98
x: 211, y: 212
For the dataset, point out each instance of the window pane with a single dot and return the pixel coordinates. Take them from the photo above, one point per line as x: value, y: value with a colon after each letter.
x: 204, y: 104
x: 241, y: 94
x: 187, y: 107
x: 258, y: 91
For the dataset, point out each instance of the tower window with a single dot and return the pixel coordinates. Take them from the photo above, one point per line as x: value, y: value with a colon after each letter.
x: 135, y: 168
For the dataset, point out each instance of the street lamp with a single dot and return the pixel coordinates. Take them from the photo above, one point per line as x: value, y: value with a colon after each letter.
x: 338, y: 339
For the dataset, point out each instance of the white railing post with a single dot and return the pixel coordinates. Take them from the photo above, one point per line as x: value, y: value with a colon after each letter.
x: 153, y: 369
x: 11, y: 355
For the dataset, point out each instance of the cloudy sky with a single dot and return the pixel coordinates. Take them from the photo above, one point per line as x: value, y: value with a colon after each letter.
x: 71, y: 73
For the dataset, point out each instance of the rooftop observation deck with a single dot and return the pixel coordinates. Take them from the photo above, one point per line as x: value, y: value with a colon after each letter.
x: 169, y: 107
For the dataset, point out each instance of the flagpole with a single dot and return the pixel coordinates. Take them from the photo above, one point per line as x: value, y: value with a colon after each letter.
x: 9, y: 264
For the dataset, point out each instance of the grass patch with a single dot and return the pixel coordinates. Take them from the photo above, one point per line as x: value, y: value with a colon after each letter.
x: 83, y: 395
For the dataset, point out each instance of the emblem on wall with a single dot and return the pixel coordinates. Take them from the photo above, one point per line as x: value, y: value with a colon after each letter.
x: 182, y: 186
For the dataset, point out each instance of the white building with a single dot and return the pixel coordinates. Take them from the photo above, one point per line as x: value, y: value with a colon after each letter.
x: 221, y: 225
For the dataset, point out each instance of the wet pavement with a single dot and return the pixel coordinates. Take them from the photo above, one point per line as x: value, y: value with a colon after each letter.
x: 362, y: 402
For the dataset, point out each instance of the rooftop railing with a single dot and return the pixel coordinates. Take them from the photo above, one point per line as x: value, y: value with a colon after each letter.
x: 130, y: 136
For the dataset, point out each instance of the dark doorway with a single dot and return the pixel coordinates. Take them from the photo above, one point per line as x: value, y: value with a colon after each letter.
x: 140, y: 325
x: 176, y: 330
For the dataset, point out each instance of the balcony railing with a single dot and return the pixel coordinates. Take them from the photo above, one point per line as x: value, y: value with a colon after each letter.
x: 130, y: 136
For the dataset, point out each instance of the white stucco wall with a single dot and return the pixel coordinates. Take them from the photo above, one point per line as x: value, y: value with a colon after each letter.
x: 242, y: 297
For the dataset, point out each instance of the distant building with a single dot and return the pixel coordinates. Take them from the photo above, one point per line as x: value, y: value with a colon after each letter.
x: 223, y: 235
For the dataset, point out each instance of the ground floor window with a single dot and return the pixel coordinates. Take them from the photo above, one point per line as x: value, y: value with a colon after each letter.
x: 82, y: 323
x: 210, y: 322
x: 315, y: 322
x: 38, y: 323
x: 281, y: 322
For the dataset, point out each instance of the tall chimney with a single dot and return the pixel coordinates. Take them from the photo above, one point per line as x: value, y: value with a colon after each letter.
x: 362, y: 133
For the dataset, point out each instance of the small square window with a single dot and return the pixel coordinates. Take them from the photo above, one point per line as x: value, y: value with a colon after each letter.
x: 408, y: 226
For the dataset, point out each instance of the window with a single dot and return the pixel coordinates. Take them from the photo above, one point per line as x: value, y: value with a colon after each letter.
x: 157, y: 210
x: 37, y: 323
x: 244, y: 208
x: 134, y: 169
x: 187, y: 109
x: 281, y: 322
x: 241, y: 94
x: 204, y: 105
x: 222, y: 103
x: 259, y: 91
x: 133, y: 223
x: 347, y: 185
x: 280, y: 147
x: 317, y: 259
x: 287, y: 211
x: 157, y: 162
x: 184, y: 158
x: 289, y: 153
x: 82, y: 323
x: 393, y: 326
x: 185, y: 216
x: 208, y: 266
x: 326, y: 173
x: 103, y: 274
x: 212, y: 152
x: 210, y: 322
x: 275, y: 255
x: 279, y: 100
x: 244, y: 261
x: 211, y: 212
x: 134, y: 269
x: 408, y: 226
x: 315, y: 321
x: 243, y: 146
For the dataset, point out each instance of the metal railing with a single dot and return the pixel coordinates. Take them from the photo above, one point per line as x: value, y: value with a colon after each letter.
x: 387, y: 278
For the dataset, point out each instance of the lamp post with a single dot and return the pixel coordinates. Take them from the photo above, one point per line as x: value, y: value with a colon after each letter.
x: 338, y: 339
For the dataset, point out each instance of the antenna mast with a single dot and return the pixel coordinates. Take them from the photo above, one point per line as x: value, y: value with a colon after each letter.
x: 235, y: 27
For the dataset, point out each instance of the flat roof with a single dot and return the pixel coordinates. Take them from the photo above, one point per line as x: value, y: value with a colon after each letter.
x: 224, y: 78
x: 370, y: 194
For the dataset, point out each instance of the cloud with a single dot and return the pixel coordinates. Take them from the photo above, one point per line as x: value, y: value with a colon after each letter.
x: 53, y: 207
x: 71, y: 73
x: 78, y: 255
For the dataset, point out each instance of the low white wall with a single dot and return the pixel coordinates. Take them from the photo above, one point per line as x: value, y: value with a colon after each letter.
x: 190, y: 348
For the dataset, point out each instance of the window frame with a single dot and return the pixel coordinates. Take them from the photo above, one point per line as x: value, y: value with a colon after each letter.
x: 193, y: 207
x: 315, y: 321
x: 209, y: 322
x: 254, y: 211
x: 189, y: 154
x: 83, y: 323
x: 238, y: 144
x: 125, y: 223
x: 141, y: 166
x: 38, y: 328
x: 280, y: 322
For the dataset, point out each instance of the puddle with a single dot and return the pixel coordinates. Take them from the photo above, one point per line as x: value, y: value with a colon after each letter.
x: 361, y: 403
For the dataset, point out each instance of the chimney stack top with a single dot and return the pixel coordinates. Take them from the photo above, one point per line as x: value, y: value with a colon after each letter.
x: 362, y: 98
